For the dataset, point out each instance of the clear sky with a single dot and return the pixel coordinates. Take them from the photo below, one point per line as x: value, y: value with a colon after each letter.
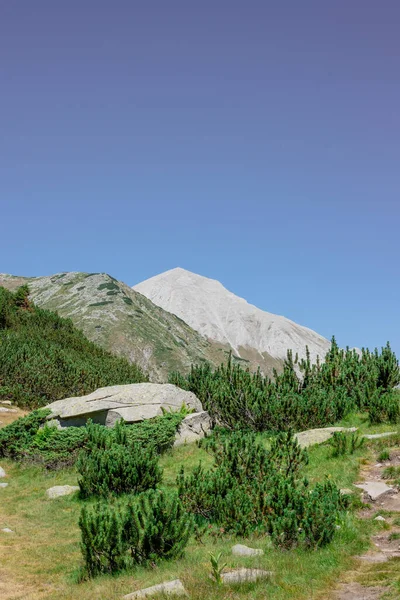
x: 253, y: 142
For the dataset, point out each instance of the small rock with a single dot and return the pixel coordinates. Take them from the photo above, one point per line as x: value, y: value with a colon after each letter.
x: 7, y: 530
x: 379, y: 518
x: 376, y: 436
x: 171, y: 588
x: 3, y: 409
x: 244, y: 575
x: 346, y: 491
x: 61, y: 490
x: 378, y: 464
x: 3, y: 485
x: 375, y: 489
x: 242, y: 550
x: 6, y: 402
x: 338, y: 527
x: 2, y: 472
x: 318, y: 436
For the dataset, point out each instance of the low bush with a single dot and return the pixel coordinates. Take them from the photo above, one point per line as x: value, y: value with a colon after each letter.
x: 30, y: 439
x: 150, y: 528
x: 253, y: 489
x: 323, y: 393
x: 345, y: 443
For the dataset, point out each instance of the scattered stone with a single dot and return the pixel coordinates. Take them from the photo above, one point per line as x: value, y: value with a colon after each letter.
x: 356, y: 591
x: 61, y: 490
x: 132, y: 402
x: 375, y: 557
x: 7, y: 530
x: 244, y: 575
x: 3, y: 485
x: 2, y: 472
x: 375, y: 489
x: 318, y: 436
x: 6, y: 402
x: 379, y: 518
x: 171, y: 588
x: 378, y: 465
x: 376, y: 436
x: 346, y: 491
x: 242, y: 550
x: 193, y: 428
x: 3, y: 409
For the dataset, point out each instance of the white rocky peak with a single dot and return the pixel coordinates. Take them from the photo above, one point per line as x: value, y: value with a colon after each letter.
x: 220, y: 315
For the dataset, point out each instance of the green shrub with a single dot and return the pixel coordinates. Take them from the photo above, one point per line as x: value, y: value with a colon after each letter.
x: 325, y: 393
x: 110, y: 464
x: 30, y: 439
x: 344, y: 443
x: 149, y: 528
x: 253, y: 489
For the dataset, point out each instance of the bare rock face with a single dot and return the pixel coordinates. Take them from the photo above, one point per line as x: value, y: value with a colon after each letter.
x: 132, y: 403
x: 171, y: 588
x: 61, y: 490
x: 219, y: 315
x: 193, y: 427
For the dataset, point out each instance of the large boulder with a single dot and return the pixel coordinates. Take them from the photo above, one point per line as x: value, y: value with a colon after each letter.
x: 132, y: 402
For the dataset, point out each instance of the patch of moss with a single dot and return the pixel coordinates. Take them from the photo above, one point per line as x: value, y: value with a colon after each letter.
x: 102, y: 303
x: 108, y: 286
x: 128, y: 301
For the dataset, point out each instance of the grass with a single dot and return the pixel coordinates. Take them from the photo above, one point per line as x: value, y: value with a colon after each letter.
x: 43, y: 556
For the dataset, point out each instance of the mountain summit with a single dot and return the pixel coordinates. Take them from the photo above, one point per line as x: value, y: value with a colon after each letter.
x: 219, y: 315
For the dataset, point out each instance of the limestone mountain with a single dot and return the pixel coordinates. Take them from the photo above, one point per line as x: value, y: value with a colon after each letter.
x: 121, y: 320
x: 221, y: 316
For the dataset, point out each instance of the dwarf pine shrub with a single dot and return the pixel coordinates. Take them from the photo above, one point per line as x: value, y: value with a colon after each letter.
x: 151, y: 527
x: 324, y: 393
x: 111, y: 465
x: 252, y: 489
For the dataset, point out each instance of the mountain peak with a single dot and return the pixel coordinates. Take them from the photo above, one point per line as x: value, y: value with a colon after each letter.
x: 219, y: 315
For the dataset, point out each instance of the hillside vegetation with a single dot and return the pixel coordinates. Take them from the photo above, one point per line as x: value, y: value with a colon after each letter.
x: 43, y: 357
x: 322, y: 394
x: 121, y: 321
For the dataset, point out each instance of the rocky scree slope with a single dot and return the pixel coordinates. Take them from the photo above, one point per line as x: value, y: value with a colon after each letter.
x: 121, y: 320
x: 221, y: 316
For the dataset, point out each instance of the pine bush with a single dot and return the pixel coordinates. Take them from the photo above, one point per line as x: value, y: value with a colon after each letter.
x: 151, y: 527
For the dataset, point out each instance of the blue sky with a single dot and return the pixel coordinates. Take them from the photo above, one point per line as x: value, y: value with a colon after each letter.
x: 254, y: 142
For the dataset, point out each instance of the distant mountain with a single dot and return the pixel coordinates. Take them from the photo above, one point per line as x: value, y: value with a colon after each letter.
x: 121, y: 320
x: 220, y: 316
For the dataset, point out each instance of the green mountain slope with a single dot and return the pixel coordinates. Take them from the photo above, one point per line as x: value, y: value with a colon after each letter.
x: 43, y: 357
x: 121, y: 320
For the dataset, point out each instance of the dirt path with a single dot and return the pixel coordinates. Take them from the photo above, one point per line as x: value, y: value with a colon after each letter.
x: 386, y: 543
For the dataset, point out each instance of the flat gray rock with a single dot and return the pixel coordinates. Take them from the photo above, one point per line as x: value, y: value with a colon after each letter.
x: 3, y: 485
x: 193, y: 427
x: 7, y: 530
x: 375, y: 489
x: 170, y: 588
x: 379, y: 518
x: 377, y: 436
x: 6, y: 402
x: 244, y: 575
x: 132, y: 402
x: 61, y: 490
x: 3, y: 409
x: 242, y: 550
x: 2, y: 472
x: 318, y: 436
